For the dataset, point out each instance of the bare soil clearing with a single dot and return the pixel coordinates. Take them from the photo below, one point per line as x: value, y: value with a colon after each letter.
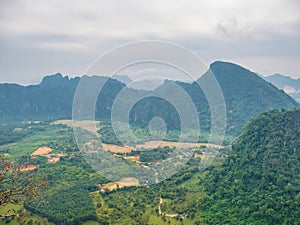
x: 134, y: 157
x: 88, y: 125
x: 45, y: 151
x: 27, y: 167
x: 156, y: 144
x: 125, y: 182
x: 161, y: 144
x: 116, y: 148
x: 55, y: 158
x: 42, y: 151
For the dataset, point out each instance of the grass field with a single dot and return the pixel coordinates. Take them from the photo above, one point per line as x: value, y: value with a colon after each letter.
x: 192, y: 184
x: 34, y: 218
x: 29, y: 144
x: 102, y: 209
x: 160, y: 221
x: 4, y: 209
x: 90, y: 223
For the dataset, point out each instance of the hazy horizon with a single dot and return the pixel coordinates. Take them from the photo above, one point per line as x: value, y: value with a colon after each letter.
x: 133, y: 74
x: 48, y: 37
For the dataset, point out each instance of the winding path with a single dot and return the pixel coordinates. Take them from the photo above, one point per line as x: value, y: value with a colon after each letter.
x: 168, y: 215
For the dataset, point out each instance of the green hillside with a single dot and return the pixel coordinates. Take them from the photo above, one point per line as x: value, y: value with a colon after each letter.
x: 259, y: 182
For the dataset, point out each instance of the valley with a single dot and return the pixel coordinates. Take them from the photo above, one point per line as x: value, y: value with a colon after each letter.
x: 60, y: 161
x: 189, y: 197
x: 149, y: 112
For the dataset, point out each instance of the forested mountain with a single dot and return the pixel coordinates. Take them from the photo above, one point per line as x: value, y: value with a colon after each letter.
x: 245, y: 93
x: 52, y: 98
x: 259, y: 183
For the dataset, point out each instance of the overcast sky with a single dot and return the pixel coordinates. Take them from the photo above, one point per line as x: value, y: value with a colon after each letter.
x: 44, y: 37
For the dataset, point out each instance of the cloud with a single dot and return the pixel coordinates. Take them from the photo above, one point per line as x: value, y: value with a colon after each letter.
x: 135, y: 18
x: 78, y: 31
x: 235, y: 30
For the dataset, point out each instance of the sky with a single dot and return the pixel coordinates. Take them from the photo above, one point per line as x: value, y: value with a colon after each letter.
x: 42, y: 37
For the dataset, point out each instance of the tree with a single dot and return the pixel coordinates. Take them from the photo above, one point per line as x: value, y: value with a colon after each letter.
x: 17, y: 187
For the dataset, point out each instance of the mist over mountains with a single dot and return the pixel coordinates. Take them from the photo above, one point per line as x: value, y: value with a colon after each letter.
x: 282, y: 81
x: 286, y: 83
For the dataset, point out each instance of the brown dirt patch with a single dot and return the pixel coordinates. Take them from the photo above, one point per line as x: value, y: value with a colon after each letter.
x: 27, y: 167
x: 61, y: 154
x: 42, y: 151
x: 150, y: 145
x: 116, y: 148
x: 125, y: 182
x: 134, y: 157
x: 161, y: 144
x: 55, y: 158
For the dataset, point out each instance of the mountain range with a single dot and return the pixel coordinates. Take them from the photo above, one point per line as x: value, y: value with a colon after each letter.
x: 253, y: 180
x: 286, y: 83
x: 283, y: 82
x: 245, y: 93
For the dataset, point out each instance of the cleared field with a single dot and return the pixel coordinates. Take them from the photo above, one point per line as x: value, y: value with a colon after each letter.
x: 28, y: 167
x: 45, y: 151
x: 42, y: 151
x: 29, y: 144
x: 156, y: 144
x: 134, y: 157
x: 88, y: 125
x: 125, y: 182
x: 116, y: 148
x: 55, y: 158
x: 161, y: 144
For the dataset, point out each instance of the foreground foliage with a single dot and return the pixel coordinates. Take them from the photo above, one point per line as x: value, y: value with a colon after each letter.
x: 17, y: 187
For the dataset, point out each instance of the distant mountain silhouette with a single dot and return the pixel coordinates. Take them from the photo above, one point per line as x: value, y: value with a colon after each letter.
x: 245, y: 93
x: 282, y: 81
x: 123, y: 78
x: 286, y: 83
x: 51, y: 99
